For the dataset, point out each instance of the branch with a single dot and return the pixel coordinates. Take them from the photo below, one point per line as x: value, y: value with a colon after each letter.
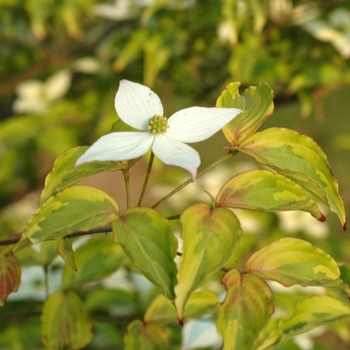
x: 72, y: 235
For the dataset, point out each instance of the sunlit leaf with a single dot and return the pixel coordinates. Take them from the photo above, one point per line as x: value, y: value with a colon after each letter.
x: 257, y: 104
x: 64, y: 174
x: 10, y: 276
x: 96, y: 259
x: 293, y: 261
x: 64, y: 322
x: 78, y: 208
x: 245, y: 310
x: 209, y: 238
x: 146, y: 336
x: 300, y: 158
x: 65, y: 249
x: 265, y: 191
x: 146, y: 238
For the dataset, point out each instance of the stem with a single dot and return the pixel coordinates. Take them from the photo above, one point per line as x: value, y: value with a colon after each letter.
x: 46, y: 281
x: 187, y: 182
x: 150, y: 163
x: 126, y: 174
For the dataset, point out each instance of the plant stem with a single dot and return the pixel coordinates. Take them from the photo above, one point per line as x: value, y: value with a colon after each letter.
x: 126, y: 174
x: 187, y: 182
x: 150, y: 163
x: 46, y: 281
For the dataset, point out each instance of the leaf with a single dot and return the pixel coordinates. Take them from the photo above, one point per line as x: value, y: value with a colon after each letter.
x: 64, y: 322
x: 66, y: 252
x: 64, y: 174
x: 161, y: 310
x: 311, y: 313
x: 146, y: 238
x: 10, y: 276
x: 209, y: 238
x: 245, y: 310
x: 78, y: 208
x: 117, y: 302
x: 300, y: 158
x: 96, y: 259
x: 257, y: 104
x: 201, y: 303
x: 265, y: 191
x: 293, y: 261
x: 146, y: 336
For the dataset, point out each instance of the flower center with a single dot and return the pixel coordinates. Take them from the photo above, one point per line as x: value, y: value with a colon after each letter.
x: 157, y: 124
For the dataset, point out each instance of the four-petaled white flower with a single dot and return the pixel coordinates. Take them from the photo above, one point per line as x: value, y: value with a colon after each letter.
x: 140, y: 107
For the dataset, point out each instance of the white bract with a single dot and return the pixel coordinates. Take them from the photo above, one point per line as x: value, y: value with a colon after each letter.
x: 140, y: 107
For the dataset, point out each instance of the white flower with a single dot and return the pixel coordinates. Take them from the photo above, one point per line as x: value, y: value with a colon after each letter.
x: 139, y: 107
x: 35, y: 96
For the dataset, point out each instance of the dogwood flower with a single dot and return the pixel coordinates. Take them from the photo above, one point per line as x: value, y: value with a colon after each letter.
x: 140, y: 107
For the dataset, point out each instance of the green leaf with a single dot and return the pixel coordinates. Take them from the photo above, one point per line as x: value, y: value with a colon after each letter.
x: 10, y: 276
x: 113, y: 301
x: 209, y: 238
x: 311, y: 313
x: 146, y: 336
x: 64, y: 174
x: 293, y: 261
x: 300, y: 158
x: 96, y: 259
x: 64, y: 322
x: 245, y: 310
x: 257, y: 104
x: 265, y: 191
x: 77, y: 208
x: 42, y: 257
x: 66, y: 252
x: 146, y: 238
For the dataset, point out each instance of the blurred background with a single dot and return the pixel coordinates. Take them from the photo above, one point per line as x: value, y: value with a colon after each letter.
x: 61, y: 63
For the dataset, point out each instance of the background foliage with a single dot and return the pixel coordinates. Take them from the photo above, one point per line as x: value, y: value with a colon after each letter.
x: 61, y: 62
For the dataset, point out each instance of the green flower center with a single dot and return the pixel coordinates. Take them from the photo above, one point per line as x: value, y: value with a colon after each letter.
x: 157, y: 124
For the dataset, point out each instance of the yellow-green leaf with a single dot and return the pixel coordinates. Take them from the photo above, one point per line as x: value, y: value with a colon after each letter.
x: 146, y: 336
x: 96, y: 259
x: 311, y: 313
x: 300, y: 158
x: 265, y: 191
x: 257, y: 104
x: 161, y: 311
x: 66, y: 252
x: 209, y: 238
x: 245, y: 310
x: 293, y: 261
x: 146, y: 238
x: 10, y: 276
x: 64, y: 174
x: 64, y: 322
x: 78, y: 208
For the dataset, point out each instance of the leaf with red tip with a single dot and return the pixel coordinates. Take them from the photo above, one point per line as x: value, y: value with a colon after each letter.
x: 299, y: 158
x: 10, y: 276
x: 293, y: 261
x: 265, y: 191
x: 209, y: 238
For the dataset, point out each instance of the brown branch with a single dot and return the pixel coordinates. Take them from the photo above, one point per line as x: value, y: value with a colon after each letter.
x: 72, y: 235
